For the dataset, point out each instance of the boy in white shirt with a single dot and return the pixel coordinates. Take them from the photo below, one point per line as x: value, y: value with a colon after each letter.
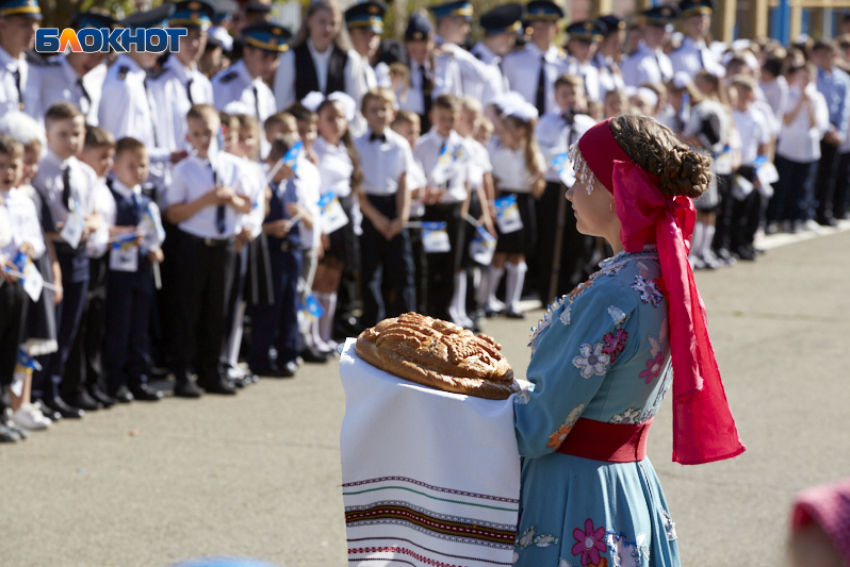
x: 385, y: 158
x: 206, y: 201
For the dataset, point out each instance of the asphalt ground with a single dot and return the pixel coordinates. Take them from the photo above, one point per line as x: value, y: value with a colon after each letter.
x: 258, y: 475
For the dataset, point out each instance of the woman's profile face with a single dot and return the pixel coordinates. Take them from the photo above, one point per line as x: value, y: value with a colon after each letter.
x: 594, y: 210
x: 324, y: 25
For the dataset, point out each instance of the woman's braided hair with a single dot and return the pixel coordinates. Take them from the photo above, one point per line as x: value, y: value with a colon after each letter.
x: 654, y: 147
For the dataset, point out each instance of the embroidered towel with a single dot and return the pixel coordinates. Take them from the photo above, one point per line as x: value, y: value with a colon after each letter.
x: 429, y: 478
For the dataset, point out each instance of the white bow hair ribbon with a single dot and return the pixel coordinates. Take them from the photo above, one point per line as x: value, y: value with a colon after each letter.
x: 314, y: 100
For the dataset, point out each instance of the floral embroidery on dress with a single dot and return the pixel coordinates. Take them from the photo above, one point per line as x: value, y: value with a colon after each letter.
x: 623, y: 552
x: 648, y: 291
x: 617, y: 315
x: 545, y: 540
x: 669, y: 525
x: 627, y: 417
x: 522, y: 398
x: 566, y: 314
x: 545, y: 322
x: 528, y: 538
x: 558, y: 437
x: 589, y: 543
x: 614, y: 343
x: 591, y: 360
x: 564, y: 563
x: 653, y: 368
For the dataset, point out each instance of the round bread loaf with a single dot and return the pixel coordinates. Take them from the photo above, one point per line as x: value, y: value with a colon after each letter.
x: 440, y: 355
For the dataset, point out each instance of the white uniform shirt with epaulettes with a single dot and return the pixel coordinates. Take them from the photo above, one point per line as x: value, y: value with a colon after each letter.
x: 474, y: 73
x: 49, y: 183
x: 59, y: 82
x: 555, y: 136
x: 284, y: 81
x: 383, y: 161
x: 19, y: 211
x: 646, y: 66
x: 522, y: 70
x: 445, y: 79
x: 174, y: 88
x: 589, y: 74
x: 428, y: 150
x: 692, y: 57
x: 610, y: 77
x: 496, y: 84
x: 15, y: 72
x: 193, y: 177
x: 236, y: 91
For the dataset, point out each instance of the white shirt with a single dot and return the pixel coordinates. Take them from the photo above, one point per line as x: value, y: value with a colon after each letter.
x: 127, y: 109
x: 169, y: 90
x: 307, y: 182
x: 510, y: 172
x: 428, y: 150
x: 590, y: 74
x: 9, y: 99
x: 753, y: 130
x: 335, y: 168
x: 474, y: 74
x: 800, y: 141
x: 59, y: 82
x: 609, y: 77
x: 236, y: 91
x: 383, y: 162
x: 284, y: 80
x: 416, y: 180
x: 445, y: 80
x: 48, y: 182
x: 693, y: 57
x: 522, y: 70
x: 646, y: 66
x: 104, y: 204
x: 479, y: 163
x: 775, y: 94
x: 19, y: 211
x: 555, y: 136
x: 496, y: 85
x: 192, y: 178
x: 254, y: 185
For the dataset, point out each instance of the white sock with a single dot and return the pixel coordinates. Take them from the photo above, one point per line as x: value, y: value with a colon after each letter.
x: 328, y: 301
x: 458, y: 309
x: 493, y: 281
x: 516, y: 278
x: 707, y: 239
x: 697, y: 240
x: 234, y: 342
x: 482, y: 289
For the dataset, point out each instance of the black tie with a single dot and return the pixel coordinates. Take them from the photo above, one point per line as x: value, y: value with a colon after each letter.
x: 701, y: 58
x: 17, y: 74
x: 541, y: 88
x: 426, y: 90
x: 189, y: 91
x: 381, y: 137
x: 85, y: 94
x: 220, y: 223
x: 257, y: 102
x: 66, y: 187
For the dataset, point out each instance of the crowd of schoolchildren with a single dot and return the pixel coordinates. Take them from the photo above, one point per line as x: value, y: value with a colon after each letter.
x: 256, y: 196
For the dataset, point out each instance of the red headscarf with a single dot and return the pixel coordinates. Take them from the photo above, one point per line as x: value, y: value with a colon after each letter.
x: 703, y: 428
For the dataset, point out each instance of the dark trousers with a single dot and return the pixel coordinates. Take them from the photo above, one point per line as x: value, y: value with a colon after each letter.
x: 277, y: 324
x: 128, y: 313
x: 206, y: 274
x: 168, y: 298
x: 442, y: 266
x: 385, y: 263
x: 793, y: 192
x: 723, y: 227
x: 13, y: 307
x: 420, y: 267
x: 842, y: 187
x: 85, y: 362
x: 75, y: 284
x: 237, y: 287
x: 825, y: 181
x: 576, y: 248
x: 746, y: 214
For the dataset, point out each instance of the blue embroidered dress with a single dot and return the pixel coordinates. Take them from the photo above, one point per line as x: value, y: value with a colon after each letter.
x: 601, y: 353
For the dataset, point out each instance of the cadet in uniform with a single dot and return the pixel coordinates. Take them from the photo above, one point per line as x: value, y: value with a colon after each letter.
x: 584, y: 39
x: 694, y: 55
x: 649, y: 64
x: 609, y: 53
x: 532, y: 71
x: 500, y: 26
x: 18, y: 88
x: 76, y: 77
x: 365, y: 23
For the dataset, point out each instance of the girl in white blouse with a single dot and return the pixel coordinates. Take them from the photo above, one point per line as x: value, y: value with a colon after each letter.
x: 518, y: 171
x: 340, y: 175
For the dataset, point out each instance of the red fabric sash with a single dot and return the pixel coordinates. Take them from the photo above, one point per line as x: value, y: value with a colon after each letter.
x: 703, y: 427
x: 609, y: 442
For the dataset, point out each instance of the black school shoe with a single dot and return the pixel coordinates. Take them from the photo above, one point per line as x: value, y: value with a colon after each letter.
x: 83, y: 400
x: 105, y: 400
x: 143, y: 392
